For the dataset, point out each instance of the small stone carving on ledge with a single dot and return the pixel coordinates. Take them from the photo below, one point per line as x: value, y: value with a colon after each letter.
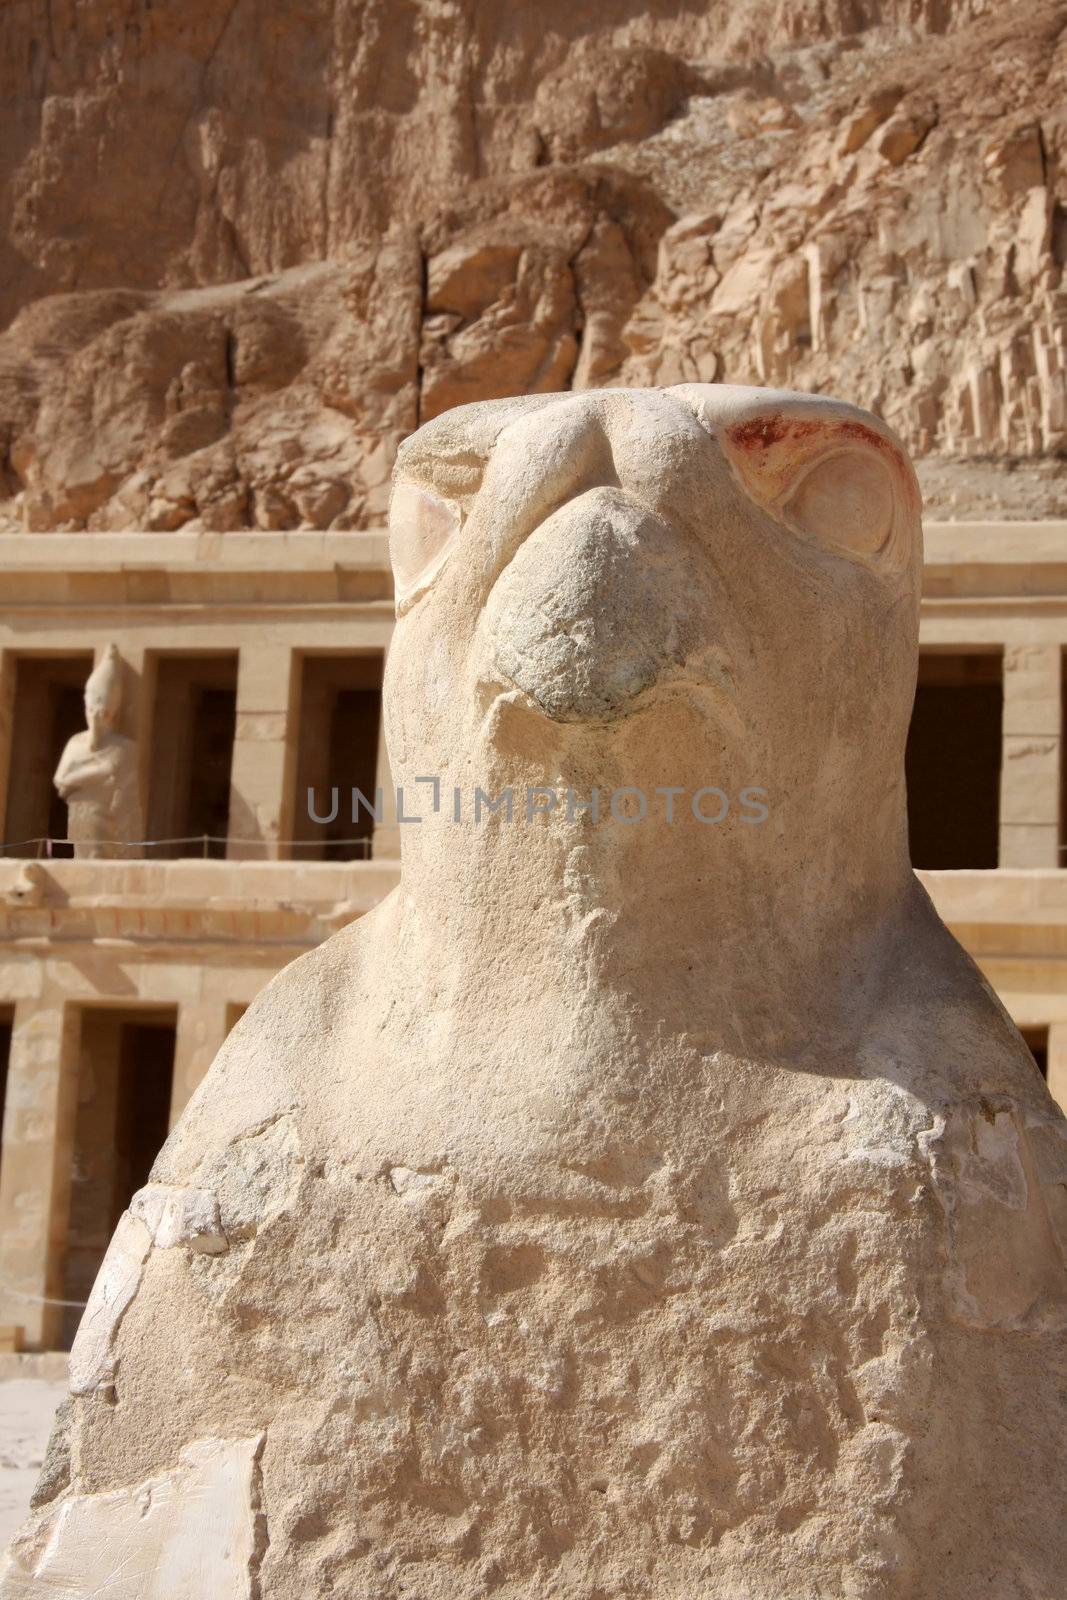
x: 97, y: 773
x: 29, y: 887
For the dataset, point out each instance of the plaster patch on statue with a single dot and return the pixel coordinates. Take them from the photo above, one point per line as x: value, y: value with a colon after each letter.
x: 92, y: 1363
x: 175, y: 1216
x: 256, y: 1177
x: 1006, y: 1258
x: 163, y: 1215
x: 412, y: 1185
x: 880, y: 1126
x: 194, y: 1532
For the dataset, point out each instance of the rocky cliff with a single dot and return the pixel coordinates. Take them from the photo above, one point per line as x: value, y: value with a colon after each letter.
x: 247, y: 247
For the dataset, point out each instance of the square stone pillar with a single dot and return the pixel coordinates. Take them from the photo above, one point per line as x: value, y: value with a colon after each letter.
x: 386, y: 841
x: 1030, y: 767
x: 264, y: 754
x: 138, y: 691
x: 1057, y: 1063
x: 202, y: 1027
x: 35, y: 1168
x: 7, y: 720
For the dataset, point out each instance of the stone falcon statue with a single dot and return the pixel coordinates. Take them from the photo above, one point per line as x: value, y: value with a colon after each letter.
x: 650, y: 1204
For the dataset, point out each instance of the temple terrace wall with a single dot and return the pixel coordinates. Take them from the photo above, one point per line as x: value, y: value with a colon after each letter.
x: 251, y: 673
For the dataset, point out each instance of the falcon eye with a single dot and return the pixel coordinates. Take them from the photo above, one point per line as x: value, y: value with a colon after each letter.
x: 422, y: 526
x: 845, y: 499
x: 837, y: 481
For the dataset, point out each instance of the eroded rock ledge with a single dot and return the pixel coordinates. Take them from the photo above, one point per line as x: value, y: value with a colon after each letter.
x: 335, y: 230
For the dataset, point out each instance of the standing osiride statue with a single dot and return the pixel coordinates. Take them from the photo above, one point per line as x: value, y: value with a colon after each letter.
x: 97, y: 774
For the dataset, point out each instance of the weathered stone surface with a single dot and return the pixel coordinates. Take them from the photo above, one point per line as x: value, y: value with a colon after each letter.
x: 623, y: 1207
x: 238, y: 263
x: 264, y: 403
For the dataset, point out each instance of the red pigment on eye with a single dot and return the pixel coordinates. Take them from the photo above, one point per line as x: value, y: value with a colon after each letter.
x: 763, y: 433
x: 759, y: 434
x: 859, y: 430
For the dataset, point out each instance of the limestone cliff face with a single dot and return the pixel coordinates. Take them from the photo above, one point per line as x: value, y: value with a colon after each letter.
x: 246, y: 249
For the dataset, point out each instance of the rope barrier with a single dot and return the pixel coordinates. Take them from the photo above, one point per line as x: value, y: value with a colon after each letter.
x: 41, y: 1299
x: 45, y: 847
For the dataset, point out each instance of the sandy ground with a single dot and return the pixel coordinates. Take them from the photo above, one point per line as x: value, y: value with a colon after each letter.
x: 30, y: 1389
x: 993, y: 491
